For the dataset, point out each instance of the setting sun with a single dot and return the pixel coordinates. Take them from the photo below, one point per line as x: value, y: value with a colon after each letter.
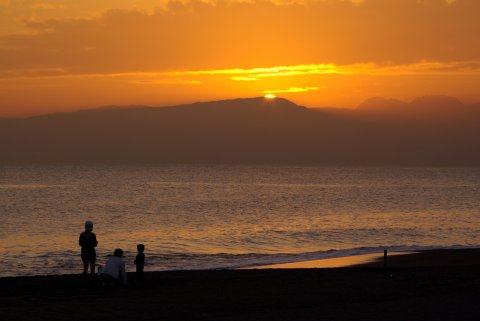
x: 270, y: 96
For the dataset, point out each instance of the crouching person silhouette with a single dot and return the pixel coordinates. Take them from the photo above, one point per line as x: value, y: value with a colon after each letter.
x: 114, y: 270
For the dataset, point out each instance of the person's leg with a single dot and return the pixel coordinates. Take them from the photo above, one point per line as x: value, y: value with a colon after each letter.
x: 85, y: 266
x: 139, y: 274
x: 85, y: 269
x: 92, y: 272
x: 92, y: 267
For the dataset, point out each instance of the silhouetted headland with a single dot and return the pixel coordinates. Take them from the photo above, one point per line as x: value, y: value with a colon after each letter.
x: 430, y: 131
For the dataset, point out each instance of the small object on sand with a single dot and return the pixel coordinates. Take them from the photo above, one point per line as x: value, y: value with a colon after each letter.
x: 385, y: 258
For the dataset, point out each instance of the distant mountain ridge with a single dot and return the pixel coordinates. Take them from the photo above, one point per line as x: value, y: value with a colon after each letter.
x: 378, y: 103
x: 443, y: 104
x: 252, y: 130
x: 229, y: 104
x: 374, y: 104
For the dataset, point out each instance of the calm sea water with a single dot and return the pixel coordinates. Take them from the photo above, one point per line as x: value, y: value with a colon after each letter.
x: 212, y: 216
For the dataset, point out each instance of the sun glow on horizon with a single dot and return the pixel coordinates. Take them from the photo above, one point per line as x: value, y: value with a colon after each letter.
x: 270, y: 96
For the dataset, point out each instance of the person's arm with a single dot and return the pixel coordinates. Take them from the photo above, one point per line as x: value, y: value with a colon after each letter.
x: 95, y: 243
x: 80, y: 240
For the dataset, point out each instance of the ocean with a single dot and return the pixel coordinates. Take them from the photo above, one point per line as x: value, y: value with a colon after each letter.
x: 226, y: 216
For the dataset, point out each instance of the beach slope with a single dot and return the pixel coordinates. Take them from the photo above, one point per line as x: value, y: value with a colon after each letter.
x: 424, y: 292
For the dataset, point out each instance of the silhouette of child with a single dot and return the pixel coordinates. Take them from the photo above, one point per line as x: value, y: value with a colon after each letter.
x: 139, y: 262
x: 114, y: 270
x: 88, y: 242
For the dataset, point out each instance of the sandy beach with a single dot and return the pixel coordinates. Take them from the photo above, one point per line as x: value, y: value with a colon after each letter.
x: 430, y: 258
x: 432, y: 285
x: 371, y: 259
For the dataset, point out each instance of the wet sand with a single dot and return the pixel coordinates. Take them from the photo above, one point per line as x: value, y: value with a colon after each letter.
x: 347, y: 261
x: 433, y: 285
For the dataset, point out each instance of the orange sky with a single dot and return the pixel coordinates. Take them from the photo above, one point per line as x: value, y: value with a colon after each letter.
x: 65, y: 55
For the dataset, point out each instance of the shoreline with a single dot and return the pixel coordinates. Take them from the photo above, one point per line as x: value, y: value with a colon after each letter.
x: 461, y: 256
x: 429, y: 285
x: 401, y: 259
x: 336, y: 262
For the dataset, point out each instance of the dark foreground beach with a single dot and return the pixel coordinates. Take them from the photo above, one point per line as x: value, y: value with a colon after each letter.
x: 433, y: 285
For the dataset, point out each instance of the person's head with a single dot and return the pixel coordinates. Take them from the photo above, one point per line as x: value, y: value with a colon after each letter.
x: 140, y: 248
x: 118, y: 253
x: 88, y: 226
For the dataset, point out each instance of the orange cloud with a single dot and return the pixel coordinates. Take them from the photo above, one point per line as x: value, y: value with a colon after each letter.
x: 290, y: 90
x: 47, y: 5
x: 166, y: 81
x: 255, y: 74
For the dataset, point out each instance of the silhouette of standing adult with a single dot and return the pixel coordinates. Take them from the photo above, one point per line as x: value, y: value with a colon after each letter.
x: 88, y: 242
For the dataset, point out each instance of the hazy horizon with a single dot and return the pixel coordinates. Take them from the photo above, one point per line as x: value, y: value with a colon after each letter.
x: 430, y: 131
x: 361, y: 104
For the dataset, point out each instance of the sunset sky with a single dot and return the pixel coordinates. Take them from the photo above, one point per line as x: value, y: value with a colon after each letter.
x: 65, y: 55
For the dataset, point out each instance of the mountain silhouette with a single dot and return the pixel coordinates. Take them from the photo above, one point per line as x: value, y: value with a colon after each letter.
x: 253, y: 131
x: 431, y: 106
x: 380, y: 104
x: 437, y: 103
